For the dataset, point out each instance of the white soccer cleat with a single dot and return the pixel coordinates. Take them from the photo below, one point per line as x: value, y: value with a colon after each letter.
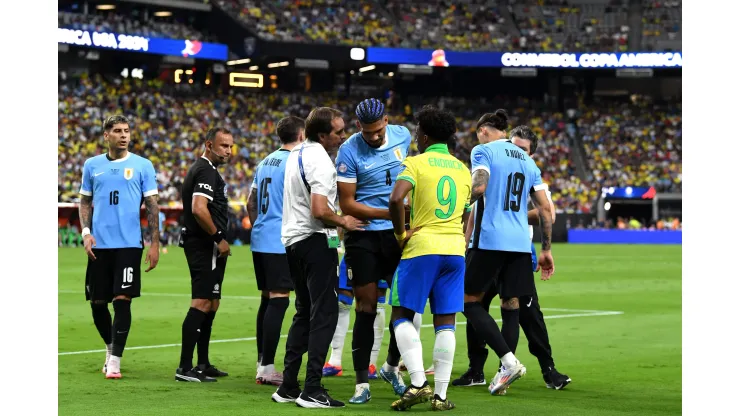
x: 113, y: 368
x: 504, y: 378
x: 496, y: 380
x: 269, y: 377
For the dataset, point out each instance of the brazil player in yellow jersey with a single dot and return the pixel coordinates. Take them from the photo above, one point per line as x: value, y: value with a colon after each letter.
x: 432, y: 264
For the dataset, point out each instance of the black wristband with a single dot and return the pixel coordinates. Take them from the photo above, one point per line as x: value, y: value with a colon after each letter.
x: 218, y: 236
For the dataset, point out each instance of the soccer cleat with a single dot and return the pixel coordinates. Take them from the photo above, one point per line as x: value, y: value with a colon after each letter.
x: 318, y: 400
x: 192, y: 376
x: 362, y: 394
x: 112, y: 374
x: 470, y: 378
x: 331, y: 370
x: 441, y: 405
x: 113, y: 368
x: 508, y: 376
x: 497, y: 378
x: 395, y: 379
x: 108, y: 349
x: 413, y: 396
x: 286, y: 395
x: 429, y: 371
x: 210, y: 371
x: 266, y: 378
x: 372, y: 372
x: 555, y: 380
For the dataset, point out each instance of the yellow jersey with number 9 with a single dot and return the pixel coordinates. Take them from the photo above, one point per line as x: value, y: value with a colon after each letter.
x: 440, y: 195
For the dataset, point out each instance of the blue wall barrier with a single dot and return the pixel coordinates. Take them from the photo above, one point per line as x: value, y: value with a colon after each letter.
x: 624, y: 237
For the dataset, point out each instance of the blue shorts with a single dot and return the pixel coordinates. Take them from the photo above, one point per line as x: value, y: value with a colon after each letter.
x: 382, y: 284
x: 439, y: 278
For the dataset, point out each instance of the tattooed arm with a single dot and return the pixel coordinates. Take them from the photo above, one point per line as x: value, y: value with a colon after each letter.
x: 544, y: 210
x: 152, y: 217
x: 86, y: 222
x: 480, y: 183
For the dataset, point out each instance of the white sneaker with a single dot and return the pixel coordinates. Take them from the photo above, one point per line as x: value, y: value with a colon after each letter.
x: 496, y: 380
x: 113, y: 370
x: 108, y: 349
x: 508, y: 376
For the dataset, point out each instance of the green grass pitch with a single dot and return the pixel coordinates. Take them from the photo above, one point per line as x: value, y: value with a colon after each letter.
x: 614, y: 323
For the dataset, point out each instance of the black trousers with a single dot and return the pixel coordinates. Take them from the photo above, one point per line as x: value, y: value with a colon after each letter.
x: 314, y: 269
x: 533, y: 324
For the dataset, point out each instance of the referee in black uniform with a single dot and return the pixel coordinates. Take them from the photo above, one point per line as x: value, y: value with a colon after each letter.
x: 205, y: 209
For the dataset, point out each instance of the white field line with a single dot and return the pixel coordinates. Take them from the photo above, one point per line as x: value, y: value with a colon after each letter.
x: 178, y: 295
x: 147, y: 347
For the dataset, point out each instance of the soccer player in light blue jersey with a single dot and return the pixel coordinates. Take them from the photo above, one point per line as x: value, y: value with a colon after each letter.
x: 265, y: 209
x: 499, y: 257
x: 367, y: 166
x: 116, y: 183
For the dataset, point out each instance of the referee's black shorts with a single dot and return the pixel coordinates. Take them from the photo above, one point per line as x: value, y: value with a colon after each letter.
x: 206, y: 268
x: 114, y: 272
x: 272, y: 271
x: 371, y: 256
x: 506, y: 273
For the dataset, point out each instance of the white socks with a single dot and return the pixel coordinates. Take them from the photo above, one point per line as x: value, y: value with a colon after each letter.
x: 417, y: 323
x: 444, y: 352
x: 266, y: 369
x: 340, y: 333
x: 379, y: 327
x: 509, y: 361
x: 409, y: 345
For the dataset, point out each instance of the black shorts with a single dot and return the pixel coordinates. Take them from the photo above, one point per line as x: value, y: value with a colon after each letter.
x: 505, y: 273
x: 371, y: 256
x: 272, y: 271
x: 115, y: 271
x: 206, y: 268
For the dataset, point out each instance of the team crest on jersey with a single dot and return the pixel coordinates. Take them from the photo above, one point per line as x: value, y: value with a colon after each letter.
x: 349, y: 273
x: 399, y: 154
x: 128, y: 173
x: 342, y: 168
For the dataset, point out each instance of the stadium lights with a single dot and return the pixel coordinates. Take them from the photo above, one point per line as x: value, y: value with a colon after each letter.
x: 367, y: 68
x: 106, y: 6
x: 179, y: 72
x: 357, y: 54
x: 239, y: 61
x: 278, y: 64
x: 163, y: 13
x: 390, y: 74
x: 240, y: 79
x: 254, y: 68
x: 607, y: 206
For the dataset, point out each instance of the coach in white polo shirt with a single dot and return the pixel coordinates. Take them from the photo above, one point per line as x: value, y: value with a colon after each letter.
x: 310, y: 237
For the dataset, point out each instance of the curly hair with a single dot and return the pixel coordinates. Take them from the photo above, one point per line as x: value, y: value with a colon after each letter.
x: 527, y: 134
x: 438, y: 125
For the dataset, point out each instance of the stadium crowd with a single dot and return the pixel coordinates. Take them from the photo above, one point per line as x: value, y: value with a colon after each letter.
x: 626, y: 144
x: 131, y: 24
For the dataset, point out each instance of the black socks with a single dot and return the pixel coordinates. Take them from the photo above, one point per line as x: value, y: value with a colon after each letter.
x: 486, y: 327
x: 273, y: 323
x: 121, y: 325
x: 205, y: 338
x: 103, y: 322
x: 191, y: 328
x: 363, y: 337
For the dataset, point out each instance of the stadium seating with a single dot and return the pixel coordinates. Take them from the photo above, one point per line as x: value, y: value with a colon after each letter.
x: 661, y: 25
x: 130, y: 24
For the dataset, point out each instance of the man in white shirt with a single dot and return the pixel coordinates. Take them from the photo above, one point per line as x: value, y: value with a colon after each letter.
x: 309, y: 234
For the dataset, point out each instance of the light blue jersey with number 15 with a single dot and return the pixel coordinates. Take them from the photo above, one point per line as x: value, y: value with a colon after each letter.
x: 268, y: 184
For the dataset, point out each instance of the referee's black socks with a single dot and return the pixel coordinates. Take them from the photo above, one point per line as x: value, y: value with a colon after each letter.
x: 273, y: 324
x: 103, y: 322
x: 191, y: 328
x: 486, y: 327
x: 204, y: 339
x: 121, y: 325
x: 363, y: 337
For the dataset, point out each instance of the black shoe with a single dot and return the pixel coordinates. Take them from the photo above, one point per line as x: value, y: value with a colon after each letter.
x: 318, y: 400
x: 192, y: 376
x: 470, y: 378
x: 286, y: 395
x: 211, y: 371
x: 555, y: 380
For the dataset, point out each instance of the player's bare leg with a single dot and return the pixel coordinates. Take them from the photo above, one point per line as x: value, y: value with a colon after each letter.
x: 266, y: 373
x: 333, y: 367
x: 366, y: 305
x: 487, y: 328
x: 410, y: 348
x: 120, y: 329
x: 104, y: 324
